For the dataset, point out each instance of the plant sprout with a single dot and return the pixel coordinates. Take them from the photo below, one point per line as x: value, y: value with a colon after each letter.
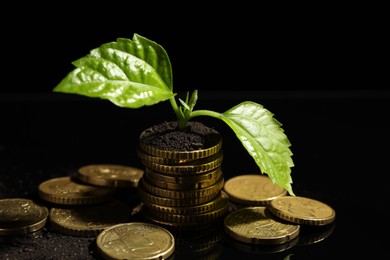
x: 137, y: 72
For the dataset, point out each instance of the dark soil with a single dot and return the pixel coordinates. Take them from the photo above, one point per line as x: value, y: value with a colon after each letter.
x: 167, y: 136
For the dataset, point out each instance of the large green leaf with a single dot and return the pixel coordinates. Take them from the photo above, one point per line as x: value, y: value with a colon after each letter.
x: 129, y: 73
x: 264, y: 139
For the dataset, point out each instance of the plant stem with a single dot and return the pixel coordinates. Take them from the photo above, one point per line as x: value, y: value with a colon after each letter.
x: 206, y: 113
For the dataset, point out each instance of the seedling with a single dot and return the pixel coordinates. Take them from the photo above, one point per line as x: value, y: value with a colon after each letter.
x: 137, y: 72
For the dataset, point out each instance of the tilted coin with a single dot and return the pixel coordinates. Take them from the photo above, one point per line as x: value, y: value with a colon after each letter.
x: 67, y: 191
x: 21, y: 216
x: 89, y: 220
x: 256, y: 225
x: 302, y: 210
x: 252, y: 190
x: 135, y: 240
x: 110, y: 175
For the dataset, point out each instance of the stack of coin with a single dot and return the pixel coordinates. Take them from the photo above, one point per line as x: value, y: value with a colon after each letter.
x: 183, y: 189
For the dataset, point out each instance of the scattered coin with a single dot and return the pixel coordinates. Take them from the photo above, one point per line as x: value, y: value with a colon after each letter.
x: 110, y: 175
x: 302, y: 210
x: 135, y: 240
x: 252, y: 190
x: 21, y: 216
x: 89, y: 220
x: 256, y: 225
x: 67, y: 191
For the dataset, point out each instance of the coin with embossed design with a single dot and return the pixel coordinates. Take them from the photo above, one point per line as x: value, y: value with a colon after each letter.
x: 89, y: 220
x: 252, y: 190
x: 302, y: 210
x: 135, y: 240
x: 256, y: 225
x: 68, y: 191
x: 110, y: 175
x: 21, y: 216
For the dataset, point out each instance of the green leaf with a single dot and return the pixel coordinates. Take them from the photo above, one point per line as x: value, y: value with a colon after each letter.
x: 129, y: 73
x: 264, y: 139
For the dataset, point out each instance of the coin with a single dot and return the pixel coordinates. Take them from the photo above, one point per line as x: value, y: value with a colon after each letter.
x: 199, y: 166
x: 302, y: 210
x: 204, y: 217
x: 256, y: 225
x: 221, y: 199
x: 67, y: 191
x: 110, y: 175
x: 89, y: 220
x: 186, y: 179
x: 252, y: 190
x: 207, y: 143
x: 183, y: 194
x: 150, y: 177
x: 21, y: 216
x: 148, y: 197
x: 135, y: 240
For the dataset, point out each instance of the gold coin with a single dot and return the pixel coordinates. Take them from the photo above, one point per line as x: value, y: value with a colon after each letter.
x: 89, y: 220
x: 148, y: 158
x: 67, y: 191
x: 215, y: 203
x: 135, y: 240
x: 255, y: 225
x: 177, y: 185
x: 148, y: 197
x: 204, y: 217
x: 252, y: 190
x: 183, y: 194
x: 195, y: 167
x: 212, y: 142
x: 186, y: 179
x: 302, y: 210
x: 110, y: 175
x: 21, y: 216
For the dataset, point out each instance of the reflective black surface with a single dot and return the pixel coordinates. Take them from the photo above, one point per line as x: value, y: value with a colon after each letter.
x: 340, y: 143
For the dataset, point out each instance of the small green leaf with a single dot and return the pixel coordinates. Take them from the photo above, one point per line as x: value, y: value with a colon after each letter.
x: 264, y: 139
x: 128, y: 73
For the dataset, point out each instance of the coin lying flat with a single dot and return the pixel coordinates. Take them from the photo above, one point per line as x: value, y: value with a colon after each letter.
x: 302, y: 210
x: 110, y: 175
x: 135, y: 240
x: 252, y: 190
x: 21, y: 216
x: 66, y: 191
x: 89, y: 220
x: 256, y: 225
x: 208, y: 143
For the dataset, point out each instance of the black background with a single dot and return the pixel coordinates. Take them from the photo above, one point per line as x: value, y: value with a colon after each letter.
x: 320, y: 69
x: 235, y: 47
